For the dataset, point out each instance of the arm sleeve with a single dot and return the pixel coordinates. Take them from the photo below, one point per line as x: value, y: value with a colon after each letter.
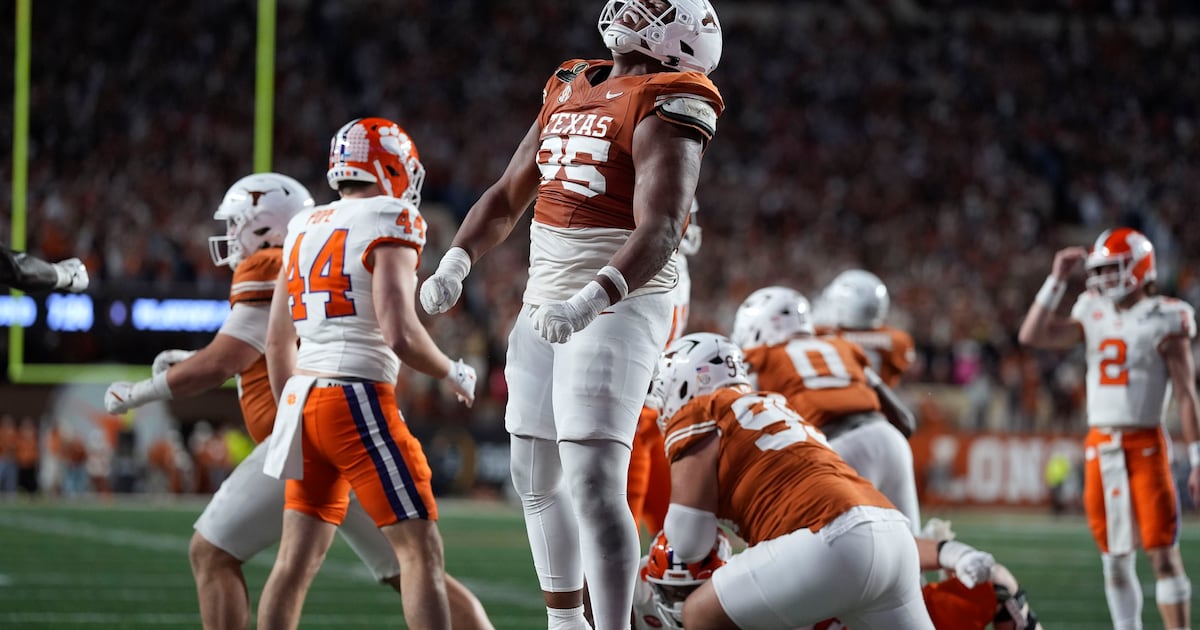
x: 690, y: 531
x: 248, y: 323
x: 24, y: 272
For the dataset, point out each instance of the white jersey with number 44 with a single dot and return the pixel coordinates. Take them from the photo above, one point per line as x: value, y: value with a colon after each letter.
x: 329, y: 283
x: 1127, y: 380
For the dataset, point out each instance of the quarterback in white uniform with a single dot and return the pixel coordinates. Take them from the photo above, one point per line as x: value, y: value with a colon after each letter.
x: 1138, y: 354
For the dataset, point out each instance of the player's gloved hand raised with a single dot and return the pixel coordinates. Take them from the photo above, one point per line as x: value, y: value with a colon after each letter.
x: 72, y: 275
x: 441, y: 290
x: 461, y: 380
x: 118, y: 397
x: 165, y: 359
x: 557, y: 321
x: 970, y: 565
x: 122, y: 396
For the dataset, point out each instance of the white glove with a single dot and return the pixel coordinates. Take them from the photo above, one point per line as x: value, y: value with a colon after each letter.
x: 441, y: 290
x: 970, y: 565
x: 72, y: 275
x: 165, y: 359
x: 124, y: 395
x: 461, y: 380
x: 557, y: 321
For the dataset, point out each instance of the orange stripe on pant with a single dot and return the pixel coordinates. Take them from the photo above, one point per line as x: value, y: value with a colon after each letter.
x: 649, y: 485
x: 354, y: 439
x: 1151, y: 487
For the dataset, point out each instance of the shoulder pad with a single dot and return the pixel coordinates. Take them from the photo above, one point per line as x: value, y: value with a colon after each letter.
x: 689, y: 110
x: 569, y: 70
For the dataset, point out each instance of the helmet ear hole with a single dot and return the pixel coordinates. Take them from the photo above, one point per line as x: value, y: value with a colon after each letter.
x: 683, y: 390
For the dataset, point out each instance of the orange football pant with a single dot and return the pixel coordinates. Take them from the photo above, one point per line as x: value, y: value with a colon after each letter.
x: 354, y: 438
x: 1151, y: 487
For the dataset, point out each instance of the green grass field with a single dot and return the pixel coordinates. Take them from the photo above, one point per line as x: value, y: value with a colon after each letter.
x: 125, y: 566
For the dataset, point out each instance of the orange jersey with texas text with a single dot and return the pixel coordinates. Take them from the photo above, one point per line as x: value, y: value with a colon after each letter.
x: 890, y: 351
x: 253, y: 284
x: 776, y: 472
x: 587, y: 123
x: 822, y: 378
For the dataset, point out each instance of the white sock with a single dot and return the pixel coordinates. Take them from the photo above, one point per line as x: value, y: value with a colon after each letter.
x: 566, y: 619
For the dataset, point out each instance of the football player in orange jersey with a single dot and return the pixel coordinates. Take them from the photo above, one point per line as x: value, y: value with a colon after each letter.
x: 748, y: 458
x: 342, y: 319
x: 829, y: 381
x: 244, y: 516
x: 856, y: 307
x: 21, y: 271
x: 612, y: 162
x: 1138, y: 352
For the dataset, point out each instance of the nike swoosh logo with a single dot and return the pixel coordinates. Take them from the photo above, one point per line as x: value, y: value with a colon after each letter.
x: 611, y: 95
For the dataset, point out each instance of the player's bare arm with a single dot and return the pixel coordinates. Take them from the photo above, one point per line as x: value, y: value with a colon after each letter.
x: 1177, y: 353
x: 281, y: 338
x: 667, y: 161
x: 1043, y: 326
x: 223, y: 358
x: 492, y: 217
x: 393, y: 287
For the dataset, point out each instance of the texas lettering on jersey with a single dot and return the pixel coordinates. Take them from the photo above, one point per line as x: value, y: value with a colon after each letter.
x: 587, y: 123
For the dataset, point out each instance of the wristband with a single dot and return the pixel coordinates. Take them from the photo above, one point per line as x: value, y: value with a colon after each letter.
x: 455, y: 264
x: 1051, y: 293
x: 951, y: 551
x: 618, y: 280
x: 1194, y: 454
x: 150, y: 390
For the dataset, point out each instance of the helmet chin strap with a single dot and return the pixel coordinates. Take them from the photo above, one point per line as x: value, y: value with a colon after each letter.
x: 621, y: 40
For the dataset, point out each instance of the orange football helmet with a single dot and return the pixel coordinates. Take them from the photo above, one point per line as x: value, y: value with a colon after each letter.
x: 672, y: 580
x: 379, y: 151
x: 1121, y: 261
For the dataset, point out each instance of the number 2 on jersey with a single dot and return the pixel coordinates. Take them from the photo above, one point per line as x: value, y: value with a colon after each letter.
x: 325, y: 275
x: 1112, y: 362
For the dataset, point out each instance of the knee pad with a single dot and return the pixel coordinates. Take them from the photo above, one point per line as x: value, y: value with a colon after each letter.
x: 1173, y: 590
x: 597, y: 474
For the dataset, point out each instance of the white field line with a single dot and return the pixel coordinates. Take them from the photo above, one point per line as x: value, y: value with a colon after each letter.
x: 174, y: 544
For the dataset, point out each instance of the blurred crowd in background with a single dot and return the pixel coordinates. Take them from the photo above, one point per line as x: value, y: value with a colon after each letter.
x: 949, y: 147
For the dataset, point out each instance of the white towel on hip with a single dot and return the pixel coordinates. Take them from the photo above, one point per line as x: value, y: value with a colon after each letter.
x: 285, y: 458
x: 1118, y: 508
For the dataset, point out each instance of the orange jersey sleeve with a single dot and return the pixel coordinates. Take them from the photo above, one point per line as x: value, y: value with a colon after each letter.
x: 587, y: 124
x: 890, y: 351
x: 776, y: 473
x: 254, y: 278
x: 257, y: 401
x: 822, y: 378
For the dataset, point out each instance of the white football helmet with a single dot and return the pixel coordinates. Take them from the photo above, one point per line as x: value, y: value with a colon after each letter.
x: 770, y: 316
x: 858, y: 300
x: 695, y: 365
x: 686, y: 35
x: 256, y: 210
x: 1121, y: 261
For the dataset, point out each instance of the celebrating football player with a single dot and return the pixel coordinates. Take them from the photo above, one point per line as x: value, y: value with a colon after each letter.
x: 612, y: 162
x: 750, y: 459
x: 1138, y: 348
x: 244, y: 516
x: 830, y: 382
x: 347, y: 293
x: 19, y: 270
